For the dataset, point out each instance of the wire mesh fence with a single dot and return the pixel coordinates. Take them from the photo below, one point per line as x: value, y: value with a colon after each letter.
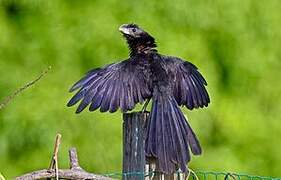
x: 197, y: 175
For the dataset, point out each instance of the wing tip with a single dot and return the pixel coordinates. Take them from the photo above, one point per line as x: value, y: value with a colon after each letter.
x: 69, y: 104
x: 73, y: 88
x: 78, y: 111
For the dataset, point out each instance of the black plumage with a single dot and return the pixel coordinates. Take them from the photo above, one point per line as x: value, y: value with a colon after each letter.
x: 169, y: 81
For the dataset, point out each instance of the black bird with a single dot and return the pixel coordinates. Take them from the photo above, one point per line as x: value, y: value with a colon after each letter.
x: 169, y: 81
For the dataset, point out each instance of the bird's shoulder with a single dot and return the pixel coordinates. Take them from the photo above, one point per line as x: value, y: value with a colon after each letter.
x: 177, y: 63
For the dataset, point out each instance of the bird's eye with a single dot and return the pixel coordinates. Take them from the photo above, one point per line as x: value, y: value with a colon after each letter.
x: 134, y: 30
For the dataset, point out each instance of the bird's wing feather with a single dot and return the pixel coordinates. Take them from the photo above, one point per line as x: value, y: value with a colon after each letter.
x: 189, y: 84
x: 116, y: 85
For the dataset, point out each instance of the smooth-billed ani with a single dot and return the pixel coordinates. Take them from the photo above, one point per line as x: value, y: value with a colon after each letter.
x: 169, y: 81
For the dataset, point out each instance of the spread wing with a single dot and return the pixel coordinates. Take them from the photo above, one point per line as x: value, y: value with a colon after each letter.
x: 189, y: 84
x: 117, y: 85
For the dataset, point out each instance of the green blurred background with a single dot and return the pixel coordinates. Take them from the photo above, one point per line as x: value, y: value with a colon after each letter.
x: 235, y: 44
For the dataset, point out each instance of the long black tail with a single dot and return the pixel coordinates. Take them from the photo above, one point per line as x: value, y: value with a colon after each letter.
x: 170, y: 136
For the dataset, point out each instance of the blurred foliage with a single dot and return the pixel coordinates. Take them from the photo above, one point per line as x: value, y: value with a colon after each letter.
x: 235, y: 44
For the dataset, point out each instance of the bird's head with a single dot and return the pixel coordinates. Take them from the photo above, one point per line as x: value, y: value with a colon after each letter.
x: 137, y: 39
x: 131, y: 31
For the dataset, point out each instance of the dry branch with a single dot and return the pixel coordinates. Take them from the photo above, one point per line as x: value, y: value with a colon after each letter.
x: 12, y: 96
x: 54, y: 161
x: 75, y: 171
x: 63, y: 174
x: 74, y: 164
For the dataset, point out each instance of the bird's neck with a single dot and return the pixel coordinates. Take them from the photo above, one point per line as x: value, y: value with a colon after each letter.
x: 142, y: 45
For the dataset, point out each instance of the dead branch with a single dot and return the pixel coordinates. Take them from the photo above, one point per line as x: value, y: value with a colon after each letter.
x: 54, y: 161
x: 75, y: 171
x: 21, y: 89
x: 63, y: 174
x: 74, y: 164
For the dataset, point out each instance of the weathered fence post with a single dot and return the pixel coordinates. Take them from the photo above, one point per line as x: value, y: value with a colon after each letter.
x: 134, y: 131
x: 135, y: 165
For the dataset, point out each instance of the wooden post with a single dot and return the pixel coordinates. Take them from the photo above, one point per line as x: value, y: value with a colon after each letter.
x: 135, y: 165
x: 134, y: 131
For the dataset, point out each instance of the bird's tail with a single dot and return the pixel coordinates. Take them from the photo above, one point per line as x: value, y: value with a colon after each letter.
x: 170, y: 136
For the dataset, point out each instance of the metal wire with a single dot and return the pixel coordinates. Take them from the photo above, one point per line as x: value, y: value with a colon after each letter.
x: 201, y: 175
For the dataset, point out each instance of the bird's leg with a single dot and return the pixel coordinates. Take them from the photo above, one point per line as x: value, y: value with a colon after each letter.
x: 145, y: 105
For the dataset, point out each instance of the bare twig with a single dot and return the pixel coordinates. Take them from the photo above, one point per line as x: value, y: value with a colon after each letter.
x: 12, y: 96
x: 190, y: 171
x: 54, y: 161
